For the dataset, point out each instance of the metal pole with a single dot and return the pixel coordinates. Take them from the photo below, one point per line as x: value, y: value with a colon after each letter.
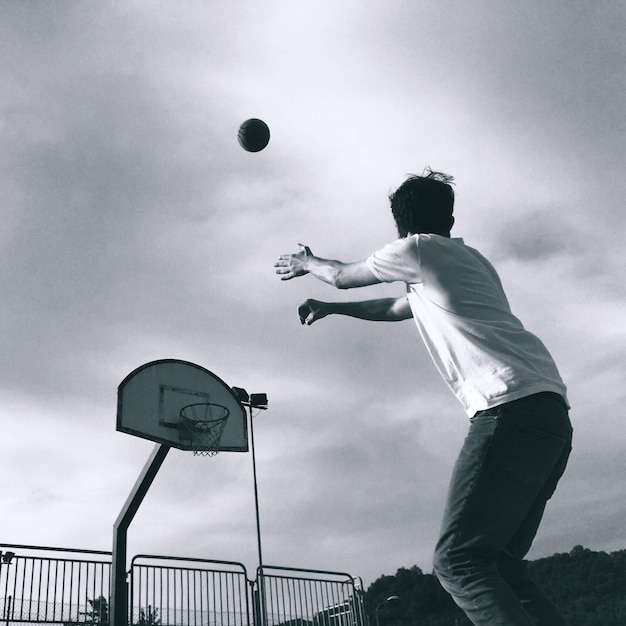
x: 256, y: 492
x: 389, y: 599
x: 119, y: 592
x: 10, y: 600
x: 261, y: 586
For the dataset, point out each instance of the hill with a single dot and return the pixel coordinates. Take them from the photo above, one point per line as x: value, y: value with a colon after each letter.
x: 589, y: 588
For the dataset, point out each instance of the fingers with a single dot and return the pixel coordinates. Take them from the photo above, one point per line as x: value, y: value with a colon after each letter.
x: 283, y: 267
x: 304, y: 312
x: 286, y: 274
x: 284, y: 261
x: 290, y: 266
x: 309, y: 312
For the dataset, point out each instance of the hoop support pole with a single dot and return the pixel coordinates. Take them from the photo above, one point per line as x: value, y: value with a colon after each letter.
x: 256, y: 492
x: 119, y: 589
x: 262, y: 616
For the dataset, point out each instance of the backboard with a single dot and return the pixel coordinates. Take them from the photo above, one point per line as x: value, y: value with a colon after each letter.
x: 150, y: 399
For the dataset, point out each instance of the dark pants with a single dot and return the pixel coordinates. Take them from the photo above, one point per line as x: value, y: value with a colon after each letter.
x: 508, y: 468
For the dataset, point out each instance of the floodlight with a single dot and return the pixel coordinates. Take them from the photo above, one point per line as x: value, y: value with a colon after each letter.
x: 7, y: 557
x: 258, y: 400
x: 241, y: 394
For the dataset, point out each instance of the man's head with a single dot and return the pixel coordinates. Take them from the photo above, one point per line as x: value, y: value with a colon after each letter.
x: 424, y: 204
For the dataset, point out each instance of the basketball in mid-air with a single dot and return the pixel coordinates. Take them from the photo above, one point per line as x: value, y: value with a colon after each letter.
x: 254, y: 135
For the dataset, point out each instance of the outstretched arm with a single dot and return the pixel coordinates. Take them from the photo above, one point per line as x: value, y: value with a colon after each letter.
x: 335, y: 273
x: 381, y: 310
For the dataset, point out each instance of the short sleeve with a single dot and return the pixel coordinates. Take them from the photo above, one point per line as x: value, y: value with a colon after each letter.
x: 397, y: 261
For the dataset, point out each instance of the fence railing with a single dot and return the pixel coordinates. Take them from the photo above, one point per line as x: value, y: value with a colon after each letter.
x: 51, y: 585
x: 172, y: 591
x: 40, y: 585
x: 309, y: 597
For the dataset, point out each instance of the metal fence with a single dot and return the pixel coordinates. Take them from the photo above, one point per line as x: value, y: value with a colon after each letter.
x: 310, y: 597
x: 172, y: 591
x: 70, y: 587
x: 53, y: 586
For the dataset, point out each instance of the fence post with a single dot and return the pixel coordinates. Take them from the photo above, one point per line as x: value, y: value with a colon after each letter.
x: 8, y: 609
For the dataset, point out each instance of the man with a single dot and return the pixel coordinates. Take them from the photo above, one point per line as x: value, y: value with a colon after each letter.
x: 520, y: 435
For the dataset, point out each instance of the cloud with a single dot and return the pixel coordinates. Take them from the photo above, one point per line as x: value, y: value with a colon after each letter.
x: 135, y: 228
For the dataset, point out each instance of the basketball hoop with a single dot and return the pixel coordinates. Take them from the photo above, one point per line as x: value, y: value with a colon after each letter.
x: 203, y: 423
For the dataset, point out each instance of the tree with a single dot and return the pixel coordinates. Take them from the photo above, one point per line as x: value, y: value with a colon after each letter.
x: 98, y: 615
x: 589, y: 588
x: 148, y: 617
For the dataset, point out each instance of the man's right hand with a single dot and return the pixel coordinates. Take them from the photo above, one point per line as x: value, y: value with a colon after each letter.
x: 293, y: 265
x: 312, y: 310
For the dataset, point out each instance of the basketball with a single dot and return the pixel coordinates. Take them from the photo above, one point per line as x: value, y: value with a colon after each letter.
x: 253, y: 135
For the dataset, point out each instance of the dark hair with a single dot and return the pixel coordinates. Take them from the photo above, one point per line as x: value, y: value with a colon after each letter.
x: 424, y: 204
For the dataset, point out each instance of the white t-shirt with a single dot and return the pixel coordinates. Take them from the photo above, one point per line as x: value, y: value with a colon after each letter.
x: 480, y: 348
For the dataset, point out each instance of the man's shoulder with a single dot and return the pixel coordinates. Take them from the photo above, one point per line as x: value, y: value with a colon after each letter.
x: 396, y: 261
x: 439, y: 239
x: 438, y: 244
x: 399, y: 246
x: 437, y: 251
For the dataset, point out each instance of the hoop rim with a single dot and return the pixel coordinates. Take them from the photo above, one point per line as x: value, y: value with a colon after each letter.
x: 195, y: 420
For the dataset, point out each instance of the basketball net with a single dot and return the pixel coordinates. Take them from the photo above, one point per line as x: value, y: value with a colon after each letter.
x: 203, y: 424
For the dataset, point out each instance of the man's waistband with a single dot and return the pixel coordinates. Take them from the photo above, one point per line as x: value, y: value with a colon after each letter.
x: 541, y: 395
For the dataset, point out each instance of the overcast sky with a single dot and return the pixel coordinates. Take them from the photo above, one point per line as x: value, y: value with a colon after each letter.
x: 135, y: 228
